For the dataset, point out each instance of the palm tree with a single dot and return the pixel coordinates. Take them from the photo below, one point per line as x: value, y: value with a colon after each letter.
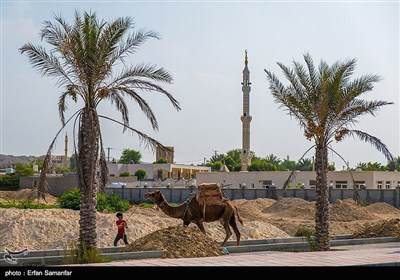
x: 326, y: 104
x: 84, y: 59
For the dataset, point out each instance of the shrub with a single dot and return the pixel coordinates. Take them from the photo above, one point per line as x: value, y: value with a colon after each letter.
x: 9, y: 182
x: 140, y: 174
x: 125, y: 174
x: 309, y: 234
x: 111, y: 202
x: 71, y: 199
x: 81, y: 254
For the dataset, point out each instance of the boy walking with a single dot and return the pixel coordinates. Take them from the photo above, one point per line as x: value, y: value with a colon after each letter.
x: 121, y: 224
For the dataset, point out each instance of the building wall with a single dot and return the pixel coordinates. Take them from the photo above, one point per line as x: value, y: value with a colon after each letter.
x: 179, y: 195
x: 256, y: 179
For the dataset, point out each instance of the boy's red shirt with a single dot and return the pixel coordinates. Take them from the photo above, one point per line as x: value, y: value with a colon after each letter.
x: 121, y: 226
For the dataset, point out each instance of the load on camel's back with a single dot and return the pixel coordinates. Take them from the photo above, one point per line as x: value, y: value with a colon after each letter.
x: 208, y: 205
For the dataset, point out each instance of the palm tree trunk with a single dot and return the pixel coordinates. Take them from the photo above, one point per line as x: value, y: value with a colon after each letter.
x: 322, y: 203
x: 87, y: 179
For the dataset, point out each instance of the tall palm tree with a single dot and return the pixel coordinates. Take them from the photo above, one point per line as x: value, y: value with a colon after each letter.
x: 88, y: 59
x: 327, y: 104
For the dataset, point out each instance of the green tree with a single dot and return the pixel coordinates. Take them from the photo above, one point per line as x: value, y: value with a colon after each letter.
x: 372, y: 166
x: 288, y: 165
x: 72, y: 162
x: 88, y: 59
x: 327, y: 104
x: 305, y: 164
x: 274, y: 160
x: 22, y: 169
x: 130, y: 156
x: 140, y: 174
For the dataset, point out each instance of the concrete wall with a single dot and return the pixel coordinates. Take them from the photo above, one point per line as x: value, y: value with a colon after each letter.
x: 60, y: 184
x: 179, y: 195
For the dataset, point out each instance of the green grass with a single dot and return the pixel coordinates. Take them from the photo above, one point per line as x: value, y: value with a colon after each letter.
x: 80, y: 254
x: 146, y: 205
x: 26, y: 204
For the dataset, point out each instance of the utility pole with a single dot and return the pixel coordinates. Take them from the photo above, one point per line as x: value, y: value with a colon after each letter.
x: 108, y: 154
x: 215, y: 153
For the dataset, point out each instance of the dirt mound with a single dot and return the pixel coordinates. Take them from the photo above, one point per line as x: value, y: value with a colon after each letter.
x: 23, y: 194
x: 348, y: 211
x: 382, y: 208
x: 380, y: 229
x: 252, y: 209
x: 293, y: 208
x: 177, y: 242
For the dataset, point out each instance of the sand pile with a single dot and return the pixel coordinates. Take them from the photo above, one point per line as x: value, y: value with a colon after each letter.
x: 56, y: 228
x: 252, y: 209
x: 348, y: 211
x: 382, y: 208
x: 177, y: 242
x: 24, y: 194
x: 293, y: 208
x: 380, y: 229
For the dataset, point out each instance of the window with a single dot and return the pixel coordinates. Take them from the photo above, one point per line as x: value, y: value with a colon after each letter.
x: 360, y: 184
x: 379, y: 184
x: 266, y: 184
x: 312, y: 184
x: 341, y: 184
x: 387, y: 185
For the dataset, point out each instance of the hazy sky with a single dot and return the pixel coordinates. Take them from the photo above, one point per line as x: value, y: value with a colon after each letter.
x: 203, y: 47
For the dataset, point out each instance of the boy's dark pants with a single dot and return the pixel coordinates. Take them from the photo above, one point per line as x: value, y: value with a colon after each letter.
x: 121, y: 236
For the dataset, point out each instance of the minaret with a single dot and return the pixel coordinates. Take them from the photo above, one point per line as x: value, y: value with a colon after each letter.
x: 245, y: 156
x: 66, y: 151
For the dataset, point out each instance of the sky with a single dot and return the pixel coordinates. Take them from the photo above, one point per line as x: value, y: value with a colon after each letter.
x: 202, y: 46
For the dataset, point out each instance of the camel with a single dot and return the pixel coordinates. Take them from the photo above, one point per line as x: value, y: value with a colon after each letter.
x: 190, y: 211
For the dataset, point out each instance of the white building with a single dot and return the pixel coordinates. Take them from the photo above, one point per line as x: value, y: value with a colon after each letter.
x: 306, y: 179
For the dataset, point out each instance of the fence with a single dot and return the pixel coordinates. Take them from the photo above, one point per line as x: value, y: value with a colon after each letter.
x: 179, y: 195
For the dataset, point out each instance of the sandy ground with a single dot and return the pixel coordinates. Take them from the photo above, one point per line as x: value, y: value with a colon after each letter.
x: 263, y: 218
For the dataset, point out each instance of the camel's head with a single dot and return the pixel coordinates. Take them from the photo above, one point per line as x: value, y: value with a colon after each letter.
x: 155, y: 197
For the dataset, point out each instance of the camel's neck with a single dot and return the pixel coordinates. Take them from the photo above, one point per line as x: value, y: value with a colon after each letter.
x: 172, y: 211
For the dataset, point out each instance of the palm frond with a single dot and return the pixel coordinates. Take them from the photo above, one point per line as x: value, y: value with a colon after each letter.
x: 103, y: 166
x: 62, y: 106
x: 149, y: 87
x: 144, y: 138
x: 131, y: 44
x: 374, y: 141
x: 46, y: 64
x: 121, y: 106
x: 43, y: 186
x: 313, y: 75
x: 144, y: 106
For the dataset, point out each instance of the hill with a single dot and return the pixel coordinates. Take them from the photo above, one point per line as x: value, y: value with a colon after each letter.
x: 7, y: 160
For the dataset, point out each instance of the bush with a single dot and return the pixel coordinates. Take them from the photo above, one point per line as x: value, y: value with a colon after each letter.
x: 71, y: 199
x: 80, y: 254
x: 303, y: 231
x: 125, y: 174
x: 9, y: 182
x: 309, y: 234
x: 140, y: 174
x: 111, y: 202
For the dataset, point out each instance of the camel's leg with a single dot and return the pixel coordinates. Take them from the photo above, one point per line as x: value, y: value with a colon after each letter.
x: 228, y: 231
x: 186, y: 223
x: 201, y: 227
x: 233, y: 224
